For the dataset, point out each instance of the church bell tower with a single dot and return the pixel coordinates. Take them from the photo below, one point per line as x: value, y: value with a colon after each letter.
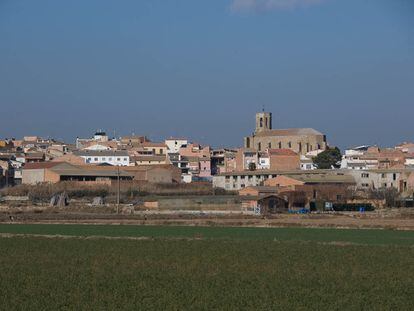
x: 263, y: 121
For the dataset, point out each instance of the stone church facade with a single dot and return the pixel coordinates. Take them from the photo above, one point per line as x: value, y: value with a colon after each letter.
x: 300, y: 140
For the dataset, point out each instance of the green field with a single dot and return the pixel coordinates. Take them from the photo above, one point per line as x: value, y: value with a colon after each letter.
x: 223, y: 268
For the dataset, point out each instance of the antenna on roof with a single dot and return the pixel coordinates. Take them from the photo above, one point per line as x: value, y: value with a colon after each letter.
x: 263, y: 108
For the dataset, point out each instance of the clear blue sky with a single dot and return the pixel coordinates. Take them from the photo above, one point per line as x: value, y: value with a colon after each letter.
x: 201, y: 69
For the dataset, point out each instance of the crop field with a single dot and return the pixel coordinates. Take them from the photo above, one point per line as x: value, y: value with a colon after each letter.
x: 82, y: 267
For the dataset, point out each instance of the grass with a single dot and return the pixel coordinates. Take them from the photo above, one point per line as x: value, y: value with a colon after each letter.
x: 229, y: 269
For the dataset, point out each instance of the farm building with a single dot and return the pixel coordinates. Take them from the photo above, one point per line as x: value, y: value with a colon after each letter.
x: 53, y: 172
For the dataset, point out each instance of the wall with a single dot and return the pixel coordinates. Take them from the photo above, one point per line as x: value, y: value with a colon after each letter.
x: 284, y: 162
x: 33, y: 176
x: 51, y: 176
x: 309, y: 142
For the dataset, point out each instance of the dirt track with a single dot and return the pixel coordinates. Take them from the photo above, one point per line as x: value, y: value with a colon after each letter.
x: 391, y: 219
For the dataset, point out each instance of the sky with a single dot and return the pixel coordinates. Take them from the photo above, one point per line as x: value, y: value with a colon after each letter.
x: 202, y: 69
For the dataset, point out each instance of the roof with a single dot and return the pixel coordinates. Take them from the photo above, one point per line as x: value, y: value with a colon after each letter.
x: 268, y: 189
x: 101, y: 153
x: 248, y: 150
x: 40, y: 165
x: 34, y: 155
x: 176, y: 138
x: 291, y: 173
x: 85, y: 172
x: 150, y: 158
x: 151, y: 144
x: 289, y: 132
x: 324, y: 178
x: 282, y: 152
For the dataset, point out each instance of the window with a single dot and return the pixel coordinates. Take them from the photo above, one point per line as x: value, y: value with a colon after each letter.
x: 270, y: 145
x: 103, y: 159
x: 383, y: 175
x: 118, y: 159
x: 96, y: 159
x: 109, y: 159
x: 365, y: 185
x: 280, y: 145
x: 394, y: 176
x: 261, y: 122
x: 259, y: 146
x: 161, y: 151
x: 365, y: 175
x: 289, y: 144
x: 125, y: 159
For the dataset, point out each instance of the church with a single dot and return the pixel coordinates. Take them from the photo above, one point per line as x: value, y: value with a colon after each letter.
x: 300, y: 140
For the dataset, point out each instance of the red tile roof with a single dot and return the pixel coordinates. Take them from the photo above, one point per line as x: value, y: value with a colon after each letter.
x: 40, y: 165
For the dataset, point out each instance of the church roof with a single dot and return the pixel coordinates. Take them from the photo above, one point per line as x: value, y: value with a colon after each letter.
x: 289, y: 132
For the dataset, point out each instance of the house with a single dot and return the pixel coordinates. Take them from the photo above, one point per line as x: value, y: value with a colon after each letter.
x: 257, y: 191
x: 238, y: 180
x: 149, y: 160
x: 133, y: 140
x: 165, y: 174
x: 282, y: 181
x: 112, y: 157
x: 283, y: 159
x: 175, y: 144
x: 53, y: 172
x: 146, y: 173
x: 220, y: 160
x: 399, y: 178
x: 34, y: 157
x: 372, y: 157
x: 99, y: 138
x: 157, y: 149
x: 246, y: 159
x: 70, y: 158
x: 301, y: 190
x: 263, y: 161
x: 266, y: 204
x: 198, y: 162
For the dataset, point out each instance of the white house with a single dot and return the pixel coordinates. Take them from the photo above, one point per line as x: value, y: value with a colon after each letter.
x: 354, y: 159
x: 175, y: 144
x: 112, y: 157
x: 264, y: 162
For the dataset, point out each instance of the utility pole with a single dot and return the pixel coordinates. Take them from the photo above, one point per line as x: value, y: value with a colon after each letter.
x: 118, y: 192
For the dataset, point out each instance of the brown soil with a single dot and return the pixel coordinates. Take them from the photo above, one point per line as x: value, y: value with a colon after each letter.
x: 401, y: 219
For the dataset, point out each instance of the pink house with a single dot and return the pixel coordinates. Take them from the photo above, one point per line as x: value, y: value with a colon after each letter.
x: 205, y: 167
x: 199, y: 159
